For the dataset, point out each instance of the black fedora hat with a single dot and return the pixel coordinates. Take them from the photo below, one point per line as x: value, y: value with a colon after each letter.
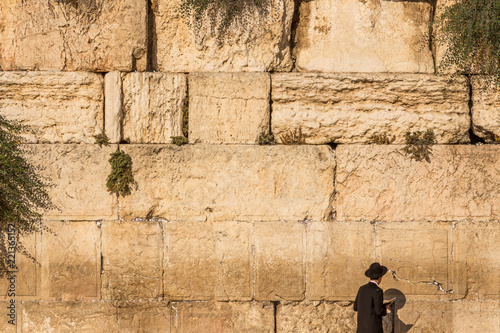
x: 375, y: 271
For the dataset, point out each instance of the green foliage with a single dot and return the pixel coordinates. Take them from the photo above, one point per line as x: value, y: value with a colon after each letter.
x: 185, y: 117
x: 382, y: 139
x: 292, y: 137
x: 471, y: 31
x: 179, y: 140
x: 419, y: 145
x: 101, y: 139
x: 220, y: 13
x: 23, y: 193
x: 121, y: 177
x: 266, y: 139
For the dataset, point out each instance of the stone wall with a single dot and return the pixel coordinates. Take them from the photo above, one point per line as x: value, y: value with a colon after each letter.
x: 224, y: 234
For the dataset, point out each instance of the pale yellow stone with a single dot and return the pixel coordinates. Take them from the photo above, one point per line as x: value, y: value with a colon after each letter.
x: 379, y: 183
x: 476, y: 317
x: 71, y: 261
x: 477, y: 252
x: 223, y: 317
x: 418, y: 256
x: 279, y: 261
x: 113, y: 90
x: 59, y: 107
x: 485, y: 110
x: 144, y: 317
x: 152, y: 106
x: 59, y: 317
x: 262, y: 183
x: 66, y: 35
x: 258, y: 42
x: 78, y: 176
x: 364, y: 36
x: 306, y: 317
x: 338, y: 254
x: 351, y: 108
x: 132, y: 260
x: 424, y: 316
x: 228, y: 107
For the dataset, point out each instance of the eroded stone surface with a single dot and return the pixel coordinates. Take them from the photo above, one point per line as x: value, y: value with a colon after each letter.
x: 379, y: 183
x: 423, y: 316
x: 279, y: 261
x: 113, y: 90
x: 132, y: 260
x: 59, y: 107
x: 144, y: 317
x: 78, y: 176
x: 305, y: 317
x: 262, y: 183
x: 228, y: 107
x: 90, y: 35
x: 152, y: 106
x: 11, y: 319
x: 222, y: 317
x: 485, y: 110
x: 71, y: 261
x: 259, y: 42
x: 364, y: 36
x: 351, y: 108
x: 472, y: 316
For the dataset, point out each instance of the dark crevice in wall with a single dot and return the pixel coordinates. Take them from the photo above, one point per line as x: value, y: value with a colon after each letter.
x: 293, y: 32
x: 270, y: 129
x: 474, y: 139
x: 432, y: 47
x: 332, y: 214
x: 104, y: 102
x: 275, y: 308
x: 152, y: 64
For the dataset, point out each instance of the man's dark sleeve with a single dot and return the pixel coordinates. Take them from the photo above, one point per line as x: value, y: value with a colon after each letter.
x: 356, y: 303
x: 380, y: 309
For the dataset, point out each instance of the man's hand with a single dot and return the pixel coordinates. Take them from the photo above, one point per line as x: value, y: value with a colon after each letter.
x: 389, y: 302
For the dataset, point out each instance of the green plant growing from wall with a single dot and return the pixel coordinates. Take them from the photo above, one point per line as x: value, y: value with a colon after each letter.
x: 419, y: 145
x: 23, y: 193
x: 266, y: 139
x: 101, y: 139
x: 121, y: 178
x: 292, y: 137
x: 470, y: 30
x: 382, y: 139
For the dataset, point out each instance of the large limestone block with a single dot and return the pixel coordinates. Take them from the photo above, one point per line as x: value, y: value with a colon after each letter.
x: 364, y: 36
x: 351, y: 108
x: 417, y: 256
x: 78, y: 176
x: 477, y: 252
x: 205, y: 261
x: 423, y: 316
x: 485, y: 110
x: 378, y: 182
x: 132, y: 260
x: 263, y: 183
x: 473, y: 316
x: 279, y: 261
x: 113, y: 104
x: 144, y: 317
x: 228, y: 107
x: 152, y: 106
x: 69, y: 35
x: 223, y: 317
x: 59, y: 317
x: 60, y: 107
x: 258, y: 42
x: 71, y: 261
x: 338, y: 254
x: 305, y: 317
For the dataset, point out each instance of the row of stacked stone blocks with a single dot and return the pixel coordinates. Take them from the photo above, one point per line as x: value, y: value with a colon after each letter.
x: 237, y: 108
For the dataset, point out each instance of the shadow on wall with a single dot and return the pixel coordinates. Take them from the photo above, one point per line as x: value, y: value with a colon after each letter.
x: 391, y: 322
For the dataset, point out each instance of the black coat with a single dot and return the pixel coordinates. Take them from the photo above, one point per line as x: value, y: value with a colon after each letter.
x: 369, y: 304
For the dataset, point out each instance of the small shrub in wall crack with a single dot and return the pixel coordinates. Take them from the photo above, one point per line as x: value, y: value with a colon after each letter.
x: 101, y: 139
x: 382, y: 139
x: 419, y: 145
x: 121, y: 178
x: 292, y: 137
x: 266, y: 139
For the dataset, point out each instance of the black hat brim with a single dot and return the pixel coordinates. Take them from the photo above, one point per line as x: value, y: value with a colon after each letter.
x: 376, y: 276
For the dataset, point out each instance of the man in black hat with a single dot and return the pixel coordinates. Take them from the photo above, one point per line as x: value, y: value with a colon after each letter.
x: 369, y: 302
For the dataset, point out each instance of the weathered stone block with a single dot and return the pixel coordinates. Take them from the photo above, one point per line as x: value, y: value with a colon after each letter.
x: 222, y: 317
x: 262, y: 183
x: 338, y: 254
x: 477, y: 253
x: 305, y: 317
x: 424, y: 316
x: 59, y: 317
x: 73, y: 36
x: 259, y: 42
x: 417, y: 256
x: 485, y: 110
x: 152, y: 106
x: 364, y: 36
x: 9, y: 324
x: 379, y: 183
x: 144, y: 317
x: 352, y: 108
x: 71, y: 262
x: 279, y: 261
x: 113, y: 90
x: 78, y: 174
x: 132, y: 260
x: 228, y: 107
x: 473, y: 316
x: 59, y: 107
